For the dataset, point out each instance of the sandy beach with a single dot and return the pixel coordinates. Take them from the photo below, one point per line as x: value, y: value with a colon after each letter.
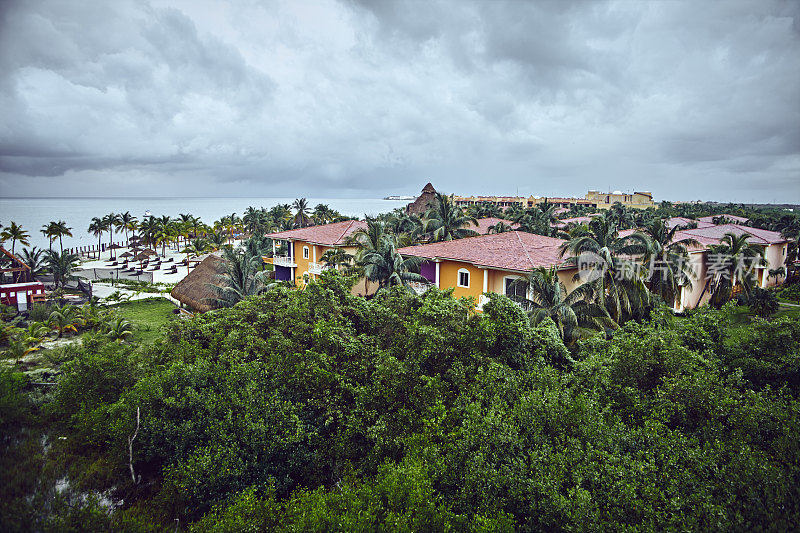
x: 102, y: 269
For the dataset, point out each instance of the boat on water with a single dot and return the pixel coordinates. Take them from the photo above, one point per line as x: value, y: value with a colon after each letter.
x: 148, y: 213
x: 397, y: 197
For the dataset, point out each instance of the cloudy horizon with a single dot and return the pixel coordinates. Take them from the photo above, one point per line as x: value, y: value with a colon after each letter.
x: 364, y: 99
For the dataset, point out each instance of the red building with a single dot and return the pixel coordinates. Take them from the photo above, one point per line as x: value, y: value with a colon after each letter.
x: 17, y: 286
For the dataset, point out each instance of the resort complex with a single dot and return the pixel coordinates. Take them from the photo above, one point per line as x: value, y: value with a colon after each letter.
x: 593, y: 199
x: 276, y: 346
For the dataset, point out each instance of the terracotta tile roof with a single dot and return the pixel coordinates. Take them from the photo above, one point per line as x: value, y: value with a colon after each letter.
x: 485, y: 223
x: 710, y: 218
x: 334, y: 234
x: 564, y: 222
x: 513, y: 250
x: 712, y: 235
x: 683, y: 221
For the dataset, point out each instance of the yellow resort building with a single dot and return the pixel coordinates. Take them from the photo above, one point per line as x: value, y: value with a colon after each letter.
x: 304, y: 248
x: 489, y: 263
x: 593, y: 199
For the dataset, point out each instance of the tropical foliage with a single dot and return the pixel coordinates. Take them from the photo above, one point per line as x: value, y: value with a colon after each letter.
x: 316, y: 410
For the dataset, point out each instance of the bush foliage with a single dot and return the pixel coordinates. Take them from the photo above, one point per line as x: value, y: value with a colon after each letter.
x: 317, y: 410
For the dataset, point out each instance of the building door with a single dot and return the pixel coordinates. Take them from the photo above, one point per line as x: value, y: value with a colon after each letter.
x: 22, y: 301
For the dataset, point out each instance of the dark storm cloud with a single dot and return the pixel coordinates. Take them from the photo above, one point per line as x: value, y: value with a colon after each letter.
x: 344, y: 98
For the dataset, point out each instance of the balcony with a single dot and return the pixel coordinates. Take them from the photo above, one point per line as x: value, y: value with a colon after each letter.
x: 283, y: 261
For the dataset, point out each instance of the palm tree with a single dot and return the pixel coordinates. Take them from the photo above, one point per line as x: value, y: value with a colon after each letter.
x: 97, y: 227
x: 282, y: 215
x: 621, y: 215
x: 65, y: 318
x: 126, y: 221
x: 15, y: 233
x: 601, y: 257
x: 513, y: 211
x: 217, y: 240
x: 445, y: 221
x: 253, y: 220
x: 500, y: 227
x: 546, y: 297
x: 389, y: 268
x: 233, y: 224
x: 776, y: 273
x: 18, y: 348
x: 119, y: 329
x: 337, y: 257
x: 164, y: 232
x: 148, y: 229
x: 727, y: 268
x: 110, y: 221
x: 48, y: 230
x: 240, y: 279
x: 667, y: 259
x: 35, y: 334
x: 61, y: 266
x: 399, y: 222
x: 301, y: 217
x: 194, y: 249
x: 33, y: 259
x: 762, y: 302
x: 61, y: 230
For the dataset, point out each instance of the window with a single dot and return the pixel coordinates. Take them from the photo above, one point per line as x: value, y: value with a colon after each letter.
x: 305, y: 252
x: 463, y: 277
x: 515, y: 290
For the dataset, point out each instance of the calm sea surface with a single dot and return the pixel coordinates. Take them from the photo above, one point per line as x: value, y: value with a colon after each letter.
x: 32, y: 213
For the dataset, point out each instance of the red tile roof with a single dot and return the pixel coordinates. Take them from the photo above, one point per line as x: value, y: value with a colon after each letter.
x: 564, y: 222
x: 513, y: 250
x: 734, y: 218
x: 712, y: 235
x: 334, y: 234
x: 485, y: 223
x: 683, y: 221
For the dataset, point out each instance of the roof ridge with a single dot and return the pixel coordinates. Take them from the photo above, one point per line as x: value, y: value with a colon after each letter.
x: 350, y: 225
x: 527, y: 255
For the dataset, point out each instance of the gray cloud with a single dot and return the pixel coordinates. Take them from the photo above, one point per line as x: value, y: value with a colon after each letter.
x: 366, y: 98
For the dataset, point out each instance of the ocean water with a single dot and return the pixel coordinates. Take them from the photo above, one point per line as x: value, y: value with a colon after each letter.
x: 33, y: 213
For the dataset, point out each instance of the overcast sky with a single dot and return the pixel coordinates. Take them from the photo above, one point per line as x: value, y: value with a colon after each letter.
x: 695, y: 100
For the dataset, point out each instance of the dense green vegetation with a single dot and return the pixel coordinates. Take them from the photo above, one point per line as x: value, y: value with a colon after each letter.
x: 317, y: 410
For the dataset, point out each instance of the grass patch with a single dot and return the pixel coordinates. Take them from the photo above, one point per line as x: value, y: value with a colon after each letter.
x: 148, y: 316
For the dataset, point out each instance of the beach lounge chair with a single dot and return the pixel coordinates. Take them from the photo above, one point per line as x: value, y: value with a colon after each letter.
x: 169, y: 260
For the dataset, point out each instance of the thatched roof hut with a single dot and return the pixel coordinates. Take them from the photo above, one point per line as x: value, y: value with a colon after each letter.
x: 193, y: 290
x: 423, y: 201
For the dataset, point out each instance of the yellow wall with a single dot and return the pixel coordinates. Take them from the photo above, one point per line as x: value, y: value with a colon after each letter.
x: 362, y: 288
x: 448, y: 277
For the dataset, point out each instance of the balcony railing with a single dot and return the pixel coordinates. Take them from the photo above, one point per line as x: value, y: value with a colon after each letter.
x: 283, y: 261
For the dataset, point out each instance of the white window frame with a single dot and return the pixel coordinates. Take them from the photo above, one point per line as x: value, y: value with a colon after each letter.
x: 306, y: 252
x: 515, y: 278
x: 458, y: 279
